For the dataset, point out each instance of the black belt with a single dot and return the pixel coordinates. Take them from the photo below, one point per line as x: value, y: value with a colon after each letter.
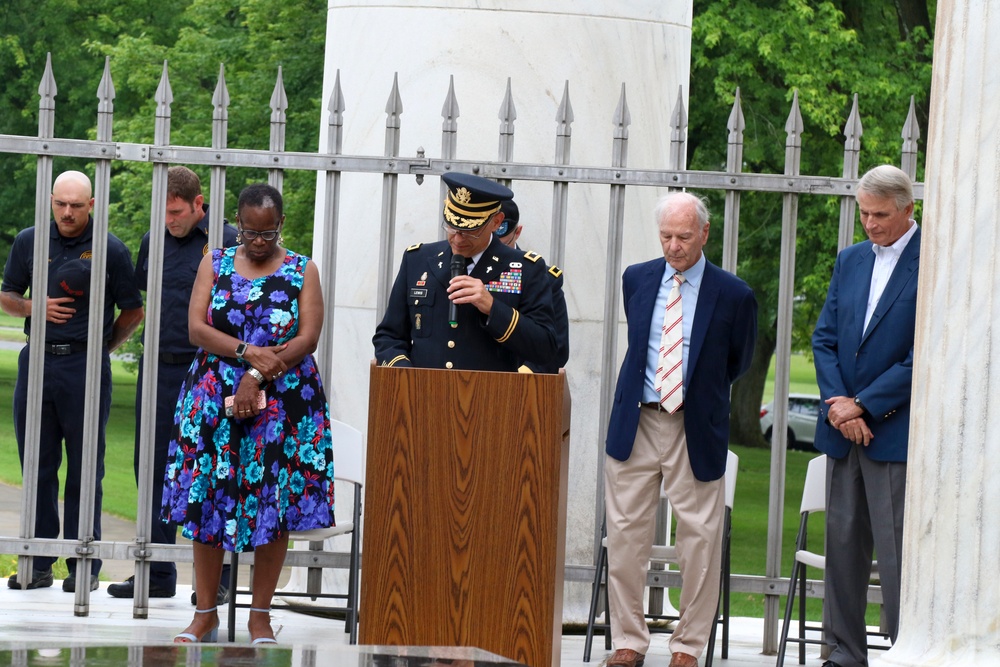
x: 63, y: 349
x: 653, y: 405
x: 171, y: 358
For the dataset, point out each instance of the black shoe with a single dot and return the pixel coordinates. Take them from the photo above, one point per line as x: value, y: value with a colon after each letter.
x: 126, y: 589
x: 69, y: 583
x: 830, y: 663
x: 221, y: 598
x: 39, y: 579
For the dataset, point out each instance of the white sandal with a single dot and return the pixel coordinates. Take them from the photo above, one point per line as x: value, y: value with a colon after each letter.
x: 210, y: 636
x: 262, y: 640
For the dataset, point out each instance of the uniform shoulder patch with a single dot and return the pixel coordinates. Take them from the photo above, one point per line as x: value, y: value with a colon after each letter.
x: 555, y: 271
x: 414, y: 247
x: 532, y: 256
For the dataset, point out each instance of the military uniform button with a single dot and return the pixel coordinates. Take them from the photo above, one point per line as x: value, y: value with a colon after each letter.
x: 448, y: 364
x: 451, y: 343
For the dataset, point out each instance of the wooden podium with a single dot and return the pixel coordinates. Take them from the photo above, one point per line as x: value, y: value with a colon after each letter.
x: 465, y: 514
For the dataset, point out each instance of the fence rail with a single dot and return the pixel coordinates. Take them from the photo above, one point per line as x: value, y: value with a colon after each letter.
x: 561, y: 173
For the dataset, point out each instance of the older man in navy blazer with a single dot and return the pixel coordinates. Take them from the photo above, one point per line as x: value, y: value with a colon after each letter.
x: 653, y: 441
x: 863, y: 348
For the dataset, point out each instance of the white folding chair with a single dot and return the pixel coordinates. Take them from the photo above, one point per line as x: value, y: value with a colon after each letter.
x: 813, y: 501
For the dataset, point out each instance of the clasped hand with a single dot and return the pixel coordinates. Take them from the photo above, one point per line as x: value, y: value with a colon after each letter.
x: 845, y: 416
x: 466, y: 289
x: 266, y: 360
x: 270, y: 365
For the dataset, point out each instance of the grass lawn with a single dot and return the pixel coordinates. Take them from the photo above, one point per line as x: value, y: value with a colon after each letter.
x: 801, y: 378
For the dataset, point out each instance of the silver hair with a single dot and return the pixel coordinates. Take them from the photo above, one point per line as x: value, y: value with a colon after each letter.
x: 670, y: 201
x: 887, y: 181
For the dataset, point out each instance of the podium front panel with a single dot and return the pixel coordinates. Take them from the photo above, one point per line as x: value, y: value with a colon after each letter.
x: 464, y: 520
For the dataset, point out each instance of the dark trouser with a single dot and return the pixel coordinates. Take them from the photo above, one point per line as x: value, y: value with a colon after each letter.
x: 170, y: 379
x: 61, y: 420
x: 864, y: 511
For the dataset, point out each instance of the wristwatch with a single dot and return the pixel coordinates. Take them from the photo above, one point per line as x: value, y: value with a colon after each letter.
x: 857, y: 402
x: 241, y: 349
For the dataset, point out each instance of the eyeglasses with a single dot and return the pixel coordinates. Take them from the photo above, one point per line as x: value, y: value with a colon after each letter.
x: 251, y: 235
x: 463, y: 233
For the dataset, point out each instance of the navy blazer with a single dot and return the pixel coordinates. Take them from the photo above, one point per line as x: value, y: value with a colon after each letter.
x: 723, y: 335
x: 876, y: 365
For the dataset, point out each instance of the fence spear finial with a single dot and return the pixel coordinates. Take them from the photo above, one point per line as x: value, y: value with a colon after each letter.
x: 564, y: 116
x: 737, y: 123
x: 450, y: 111
x: 911, y: 135
x: 508, y: 114
x: 279, y: 101
x: 853, y: 129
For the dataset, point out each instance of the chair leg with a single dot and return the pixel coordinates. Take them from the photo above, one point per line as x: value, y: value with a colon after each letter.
x: 722, y: 604
x: 234, y: 559
x: 802, y: 615
x: 789, y: 605
x: 352, y: 578
x: 710, y: 648
x: 595, y: 593
x: 727, y: 571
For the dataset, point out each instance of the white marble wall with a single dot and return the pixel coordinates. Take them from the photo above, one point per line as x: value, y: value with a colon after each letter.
x: 596, y: 46
x: 951, y: 551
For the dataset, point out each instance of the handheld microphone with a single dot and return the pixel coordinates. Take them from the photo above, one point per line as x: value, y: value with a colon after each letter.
x: 457, y: 269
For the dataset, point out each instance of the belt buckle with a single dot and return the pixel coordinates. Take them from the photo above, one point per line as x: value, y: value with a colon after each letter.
x: 62, y: 348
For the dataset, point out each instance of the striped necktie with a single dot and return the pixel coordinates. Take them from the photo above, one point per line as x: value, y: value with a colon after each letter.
x: 670, y: 366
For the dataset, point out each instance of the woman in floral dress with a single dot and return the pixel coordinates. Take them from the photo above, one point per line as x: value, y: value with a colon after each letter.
x: 241, y: 482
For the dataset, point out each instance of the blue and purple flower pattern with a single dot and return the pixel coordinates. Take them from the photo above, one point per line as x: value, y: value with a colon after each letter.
x: 240, y: 484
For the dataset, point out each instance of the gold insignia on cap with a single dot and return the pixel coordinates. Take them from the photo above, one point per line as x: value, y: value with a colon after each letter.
x: 86, y: 254
x: 460, y: 212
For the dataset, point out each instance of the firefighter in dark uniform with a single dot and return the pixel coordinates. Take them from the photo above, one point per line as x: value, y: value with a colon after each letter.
x: 508, y: 232
x: 64, y: 373
x: 185, y: 243
x: 503, y: 303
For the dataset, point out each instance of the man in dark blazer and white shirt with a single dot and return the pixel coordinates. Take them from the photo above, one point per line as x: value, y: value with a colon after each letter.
x: 863, y: 350
x: 685, y: 450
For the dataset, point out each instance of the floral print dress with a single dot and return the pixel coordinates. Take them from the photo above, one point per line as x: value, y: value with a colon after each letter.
x: 243, y: 483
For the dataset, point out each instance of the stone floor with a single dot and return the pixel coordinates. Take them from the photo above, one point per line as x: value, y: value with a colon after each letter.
x: 39, y: 628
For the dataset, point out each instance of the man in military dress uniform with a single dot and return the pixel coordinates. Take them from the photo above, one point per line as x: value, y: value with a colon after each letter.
x: 509, y: 232
x: 65, y: 368
x: 503, y: 301
x: 185, y: 243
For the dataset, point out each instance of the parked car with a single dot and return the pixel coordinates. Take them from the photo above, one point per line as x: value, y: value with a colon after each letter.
x: 803, y: 411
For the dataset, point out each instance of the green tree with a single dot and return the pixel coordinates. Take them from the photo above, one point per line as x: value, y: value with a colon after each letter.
x: 826, y: 51
x: 252, y: 38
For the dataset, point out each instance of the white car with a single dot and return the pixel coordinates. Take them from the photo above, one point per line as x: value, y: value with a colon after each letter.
x: 803, y: 411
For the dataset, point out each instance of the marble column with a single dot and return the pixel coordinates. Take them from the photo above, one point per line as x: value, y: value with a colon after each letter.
x: 951, y: 551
